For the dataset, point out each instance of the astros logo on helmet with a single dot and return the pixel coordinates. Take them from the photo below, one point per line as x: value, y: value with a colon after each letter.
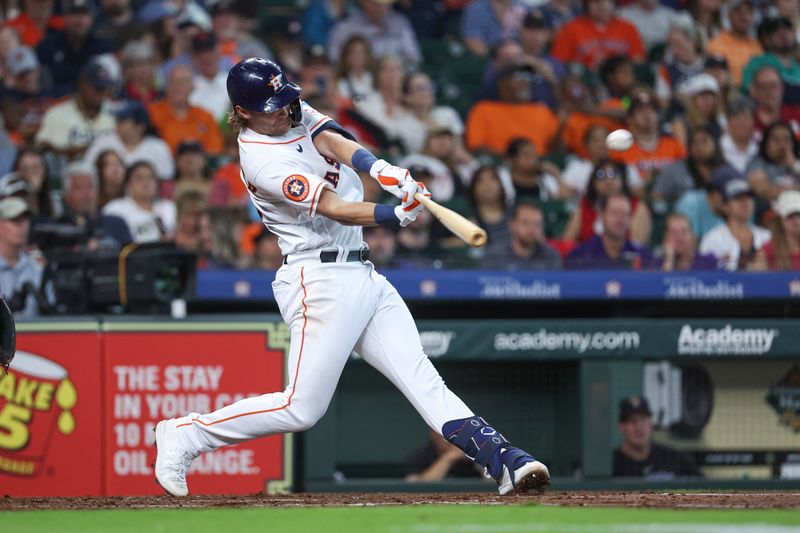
x: 295, y: 187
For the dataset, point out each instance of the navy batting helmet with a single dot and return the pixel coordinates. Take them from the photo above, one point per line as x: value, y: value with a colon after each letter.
x: 258, y: 84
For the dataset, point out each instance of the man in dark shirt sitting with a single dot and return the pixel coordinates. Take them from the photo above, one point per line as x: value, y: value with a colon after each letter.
x: 639, y: 456
x: 612, y: 249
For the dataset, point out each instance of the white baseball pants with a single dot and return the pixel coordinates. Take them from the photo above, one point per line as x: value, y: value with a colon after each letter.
x: 331, y: 309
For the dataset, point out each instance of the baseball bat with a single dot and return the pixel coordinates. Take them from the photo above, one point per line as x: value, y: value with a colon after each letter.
x: 462, y: 228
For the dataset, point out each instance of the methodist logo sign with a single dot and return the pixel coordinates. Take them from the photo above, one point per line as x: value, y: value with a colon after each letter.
x: 726, y: 340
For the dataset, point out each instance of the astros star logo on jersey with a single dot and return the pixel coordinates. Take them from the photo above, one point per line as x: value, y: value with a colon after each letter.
x: 295, y: 187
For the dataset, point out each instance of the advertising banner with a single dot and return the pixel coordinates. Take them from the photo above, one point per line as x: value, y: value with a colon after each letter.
x: 157, y: 371
x: 630, y: 338
x: 419, y: 284
x: 50, y: 412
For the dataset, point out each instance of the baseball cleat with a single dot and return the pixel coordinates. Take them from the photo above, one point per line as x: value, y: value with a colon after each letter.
x: 530, y: 476
x: 172, y: 461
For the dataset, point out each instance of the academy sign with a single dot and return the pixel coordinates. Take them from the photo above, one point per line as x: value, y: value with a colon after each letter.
x: 726, y: 340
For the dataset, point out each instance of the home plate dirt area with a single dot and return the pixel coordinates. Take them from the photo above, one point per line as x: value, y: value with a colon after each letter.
x: 666, y: 500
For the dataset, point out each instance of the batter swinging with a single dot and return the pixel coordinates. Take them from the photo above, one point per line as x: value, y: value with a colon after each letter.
x: 296, y: 166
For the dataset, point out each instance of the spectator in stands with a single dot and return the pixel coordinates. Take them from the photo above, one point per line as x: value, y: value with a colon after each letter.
x: 559, y: 12
x: 707, y: 15
x: 385, y: 109
x: 18, y: 269
x: 131, y: 142
x: 639, y: 456
x: 791, y: 10
x: 220, y: 231
x: 389, y: 32
x: 34, y: 21
x: 595, y: 36
x: 189, y: 207
x: 580, y: 111
x: 767, y: 90
x: 700, y: 99
x: 738, y: 143
x: 705, y: 208
x: 192, y: 164
x: 679, y: 247
x: 113, y: 20
x: 176, y: 120
x: 492, y: 126
x: 110, y: 171
x: 736, y: 242
x: 210, y: 90
x: 382, y: 244
x: 652, y: 20
x: 80, y: 209
x: 419, y: 97
x: 782, y: 252
x: 503, y: 55
x: 737, y: 44
x: 149, y: 218
x: 438, y: 459
x: 608, y: 178
x: 24, y: 101
x: 578, y: 170
x: 690, y: 173
x: 776, y: 168
x: 63, y: 53
x: 717, y: 67
x: 682, y: 59
x: 416, y: 245
x: 548, y: 71
x: 487, y: 201
x: 651, y: 151
x: 320, y: 17
x: 267, y: 254
x: 526, y: 248
x: 70, y: 126
x: 611, y: 248
x: 533, y: 178
x: 138, y: 60
x: 485, y: 23
x: 776, y: 36
x: 445, y: 144
x: 230, y: 22
x: 353, y: 74
x: 619, y: 79
x: 31, y: 167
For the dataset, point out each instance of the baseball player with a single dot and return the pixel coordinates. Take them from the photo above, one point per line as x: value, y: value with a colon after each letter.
x: 297, y: 165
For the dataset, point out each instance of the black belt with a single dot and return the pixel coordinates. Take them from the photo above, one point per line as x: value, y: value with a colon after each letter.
x: 330, y: 256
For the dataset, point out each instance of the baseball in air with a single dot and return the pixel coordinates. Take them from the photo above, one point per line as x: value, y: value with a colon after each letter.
x: 619, y: 140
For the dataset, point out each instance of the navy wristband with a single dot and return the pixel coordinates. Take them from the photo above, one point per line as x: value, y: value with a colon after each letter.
x: 363, y: 160
x: 384, y: 216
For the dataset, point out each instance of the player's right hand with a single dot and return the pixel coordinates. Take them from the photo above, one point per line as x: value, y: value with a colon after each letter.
x: 391, y: 178
x: 410, y: 207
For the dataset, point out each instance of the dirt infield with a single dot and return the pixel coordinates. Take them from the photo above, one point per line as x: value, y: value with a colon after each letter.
x: 667, y: 500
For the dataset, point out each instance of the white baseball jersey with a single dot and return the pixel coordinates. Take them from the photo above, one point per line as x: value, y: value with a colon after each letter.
x: 285, y: 177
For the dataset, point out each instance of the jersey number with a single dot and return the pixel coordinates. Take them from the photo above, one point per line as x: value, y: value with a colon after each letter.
x: 332, y: 176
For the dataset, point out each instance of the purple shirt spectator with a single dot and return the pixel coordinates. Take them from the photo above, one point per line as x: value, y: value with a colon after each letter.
x: 592, y: 255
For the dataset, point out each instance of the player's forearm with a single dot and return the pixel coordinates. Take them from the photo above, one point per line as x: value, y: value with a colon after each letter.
x: 347, y: 213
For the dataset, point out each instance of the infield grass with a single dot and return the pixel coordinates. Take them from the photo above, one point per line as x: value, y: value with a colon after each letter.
x: 402, y: 519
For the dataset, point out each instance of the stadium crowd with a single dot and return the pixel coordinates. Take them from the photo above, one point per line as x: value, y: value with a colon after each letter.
x: 114, y: 124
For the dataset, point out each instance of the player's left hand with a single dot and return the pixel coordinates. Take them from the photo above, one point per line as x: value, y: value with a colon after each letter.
x: 410, y: 207
x: 391, y: 178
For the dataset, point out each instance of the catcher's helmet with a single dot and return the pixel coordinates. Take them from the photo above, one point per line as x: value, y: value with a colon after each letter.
x: 258, y: 84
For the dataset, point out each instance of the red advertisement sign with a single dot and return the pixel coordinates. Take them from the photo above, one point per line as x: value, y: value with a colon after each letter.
x: 50, y: 405
x: 151, y: 376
